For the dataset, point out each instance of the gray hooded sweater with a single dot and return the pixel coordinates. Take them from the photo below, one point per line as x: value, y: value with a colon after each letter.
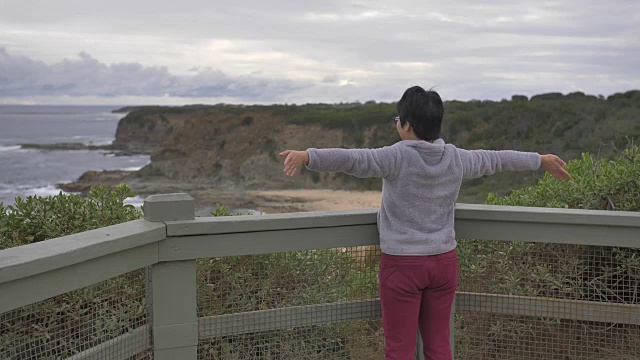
x: 421, y: 181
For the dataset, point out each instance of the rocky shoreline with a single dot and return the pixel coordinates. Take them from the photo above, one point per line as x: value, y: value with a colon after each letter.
x: 207, y: 196
x: 110, y: 178
x: 80, y: 146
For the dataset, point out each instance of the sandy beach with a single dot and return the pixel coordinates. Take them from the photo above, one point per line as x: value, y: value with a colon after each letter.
x: 316, y: 200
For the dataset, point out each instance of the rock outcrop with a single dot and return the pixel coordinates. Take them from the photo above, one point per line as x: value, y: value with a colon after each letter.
x: 231, y: 149
x: 109, y: 178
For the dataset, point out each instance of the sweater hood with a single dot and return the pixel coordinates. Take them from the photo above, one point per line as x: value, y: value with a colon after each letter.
x: 435, y: 147
x: 431, y: 153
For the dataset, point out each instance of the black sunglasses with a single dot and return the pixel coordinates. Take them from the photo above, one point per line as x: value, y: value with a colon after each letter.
x: 395, y: 119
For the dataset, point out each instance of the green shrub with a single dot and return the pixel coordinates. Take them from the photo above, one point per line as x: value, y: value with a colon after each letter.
x: 558, y: 271
x: 221, y: 211
x: 67, y: 324
x: 38, y: 218
x: 596, y: 184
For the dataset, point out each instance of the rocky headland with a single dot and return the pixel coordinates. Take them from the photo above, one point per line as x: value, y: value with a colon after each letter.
x: 222, y: 154
x: 228, y: 154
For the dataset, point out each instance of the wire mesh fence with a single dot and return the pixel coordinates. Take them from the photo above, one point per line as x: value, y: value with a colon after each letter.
x: 516, y: 300
x: 108, y: 320
x: 547, y: 301
x: 318, y: 304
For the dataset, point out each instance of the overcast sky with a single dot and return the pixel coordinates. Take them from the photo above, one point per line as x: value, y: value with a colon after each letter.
x: 298, y: 51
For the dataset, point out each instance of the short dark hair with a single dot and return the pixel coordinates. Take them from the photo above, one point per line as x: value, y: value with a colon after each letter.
x: 423, y: 110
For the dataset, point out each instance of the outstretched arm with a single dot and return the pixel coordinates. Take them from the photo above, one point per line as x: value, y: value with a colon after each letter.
x: 357, y: 162
x: 476, y: 163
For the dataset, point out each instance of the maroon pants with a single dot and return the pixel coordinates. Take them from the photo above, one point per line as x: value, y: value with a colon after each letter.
x: 417, y: 291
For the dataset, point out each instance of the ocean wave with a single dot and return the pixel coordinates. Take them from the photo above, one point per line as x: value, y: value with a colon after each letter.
x: 49, y: 190
x: 23, y: 191
x: 107, y: 117
x: 15, y: 149
x: 10, y: 147
x: 133, y: 168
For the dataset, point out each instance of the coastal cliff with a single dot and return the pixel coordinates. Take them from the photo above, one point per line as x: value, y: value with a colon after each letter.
x: 236, y: 147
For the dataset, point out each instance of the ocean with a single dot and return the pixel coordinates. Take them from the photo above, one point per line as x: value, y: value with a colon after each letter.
x: 25, y: 172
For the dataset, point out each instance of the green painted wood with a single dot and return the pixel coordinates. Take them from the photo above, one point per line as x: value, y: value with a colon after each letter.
x: 25, y: 291
x: 302, y: 316
x: 190, y: 352
x: 35, y: 272
x: 175, y: 336
x: 189, y: 247
x: 173, y: 303
x: 547, y: 215
x: 419, y: 346
x: 577, y: 234
x: 172, y: 297
x: 193, y: 247
x: 254, y: 223
x: 549, y: 308
x: 452, y: 328
x: 28, y: 260
x: 123, y: 347
x: 168, y: 207
x: 489, y: 213
x: 288, y: 318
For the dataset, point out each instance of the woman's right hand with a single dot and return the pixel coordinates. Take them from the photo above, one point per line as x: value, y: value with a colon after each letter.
x: 294, y: 161
x: 555, y: 166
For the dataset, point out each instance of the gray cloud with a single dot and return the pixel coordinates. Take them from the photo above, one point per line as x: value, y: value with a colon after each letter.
x: 86, y: 76
x: 297, y: 51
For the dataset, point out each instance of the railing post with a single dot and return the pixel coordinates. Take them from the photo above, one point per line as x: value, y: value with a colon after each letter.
x: 172, y: 298
x: 452, y: 328
x: 419, y: 346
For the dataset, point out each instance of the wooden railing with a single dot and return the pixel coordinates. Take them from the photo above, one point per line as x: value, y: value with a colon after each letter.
x: 170, y: 240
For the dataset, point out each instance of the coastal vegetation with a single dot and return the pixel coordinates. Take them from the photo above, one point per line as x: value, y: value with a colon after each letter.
x: 67, y: 324
x: 232, y: 138
x: 37, y: 218
x: 558, y: 271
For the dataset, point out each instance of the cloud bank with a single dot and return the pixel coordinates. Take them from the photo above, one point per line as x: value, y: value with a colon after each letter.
x: 21, y: 76
x: 330, y: 51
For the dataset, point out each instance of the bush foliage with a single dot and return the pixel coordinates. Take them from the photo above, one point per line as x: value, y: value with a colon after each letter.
x: 559, y: 271
x: 38, y: 218
x: 64, y: 325
x: 565, y: 125
x: 596, y: 184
